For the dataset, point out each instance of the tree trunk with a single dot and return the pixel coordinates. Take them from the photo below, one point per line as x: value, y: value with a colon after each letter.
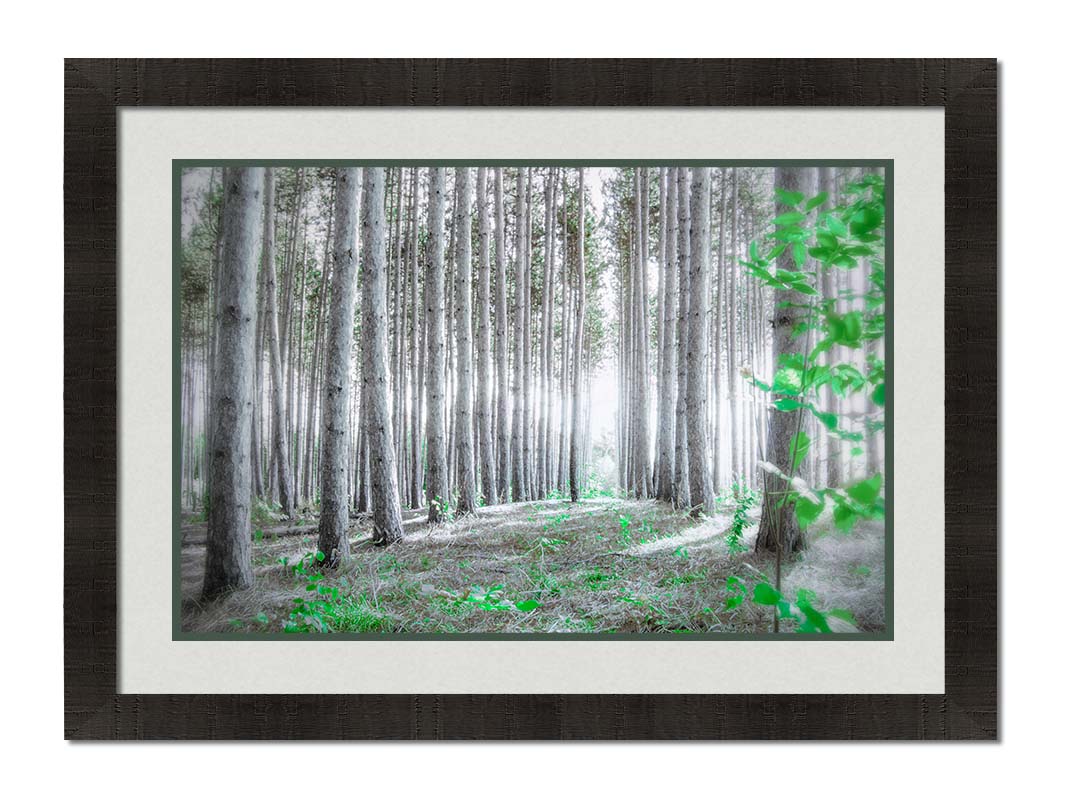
x: 518, y: 463
x: 778, y: 524
x: 228, y: 560
x: 733, y: 339
x: 667, y: 385
x: 437, y: 494
x: 700, y: 490
x: 579, y: 329
x: 374, y: 397
x: 681, y: 411
x: 464, y: 433
x: 281, y: 440
x: 485, y: 391
x: 336, y: 382
x: 418, y: 362
x: 503, y: 453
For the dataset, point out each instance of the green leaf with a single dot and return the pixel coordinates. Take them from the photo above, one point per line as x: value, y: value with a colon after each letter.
x: 808, y: 511
x: 788, y: 404
x: 800, y: 253
x: 765, y: 595
x: 841, y: 613
x: 826, y: 240
x: 798, y: 447
x: 865, y: 492
x: 823, y: 254
x: 787, y: 381
x: 789, y: 198
x: 261, y: 617
x: 844, y: 517
x: 836, y: 226
x: 816, y: 201
x: 527, y: 605
x: 826, y: 418
x: 878, y: 395
x: 789, y: 218
x: 865, y: 220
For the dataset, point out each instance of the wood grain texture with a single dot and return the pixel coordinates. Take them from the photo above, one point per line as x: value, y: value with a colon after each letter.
x: 95, y: 88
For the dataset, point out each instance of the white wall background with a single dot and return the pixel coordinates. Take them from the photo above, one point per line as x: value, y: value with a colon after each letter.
x: 1028, y: 760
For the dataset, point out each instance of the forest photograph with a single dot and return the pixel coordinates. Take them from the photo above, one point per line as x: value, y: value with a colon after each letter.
x: 601, y: 399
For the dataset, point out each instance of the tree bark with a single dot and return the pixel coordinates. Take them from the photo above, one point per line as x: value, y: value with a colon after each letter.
x: 485, y: 390
x: 668, y: 306
x: 518, y: 462
x: 337, y: 382
x: 437, y: 493
x: 681, y: 415
x: 464, y: 433
x: 503, y: 453
x: 228, y: 559
x: 778, y: 525
x: 377, y: 426
x: 281, y: 438
x: 579, y: 330
x: 700, y: 490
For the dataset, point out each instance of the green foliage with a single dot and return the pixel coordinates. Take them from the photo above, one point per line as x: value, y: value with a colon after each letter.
x: 493, y: 599
x: 744, y: 500
x: 325, y: 608
x: 444, y: 509
x: 834, y: 239
x: 800, y: 613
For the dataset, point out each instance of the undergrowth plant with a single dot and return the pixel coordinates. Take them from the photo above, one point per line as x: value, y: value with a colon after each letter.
x: 800, y: 611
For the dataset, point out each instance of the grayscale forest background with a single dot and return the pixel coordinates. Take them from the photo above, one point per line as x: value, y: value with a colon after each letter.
x: 537, y: 399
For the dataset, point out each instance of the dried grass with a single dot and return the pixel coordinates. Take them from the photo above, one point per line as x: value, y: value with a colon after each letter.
x: 603, y: 565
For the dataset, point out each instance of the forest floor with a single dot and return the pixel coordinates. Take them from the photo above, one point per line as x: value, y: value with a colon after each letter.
x: 605, y: 565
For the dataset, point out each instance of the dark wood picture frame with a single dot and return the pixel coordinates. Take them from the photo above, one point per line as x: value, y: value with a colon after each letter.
x: 96, y: 88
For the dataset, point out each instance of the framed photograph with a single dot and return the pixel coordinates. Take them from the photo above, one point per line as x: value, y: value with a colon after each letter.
x: 531, y: 399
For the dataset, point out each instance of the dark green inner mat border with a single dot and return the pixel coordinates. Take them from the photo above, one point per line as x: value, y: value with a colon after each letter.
x: 177, y: 165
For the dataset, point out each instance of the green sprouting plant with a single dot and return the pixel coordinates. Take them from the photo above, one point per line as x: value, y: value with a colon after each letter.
x: 826, y: 240
x: 595, y: 580
x: 735, y: 536
x: 325, y: 608
x: 596, y: 486
x: 625, y: 537
x: 801, y: 611
x: 444, y: 509
x: 493, y: 599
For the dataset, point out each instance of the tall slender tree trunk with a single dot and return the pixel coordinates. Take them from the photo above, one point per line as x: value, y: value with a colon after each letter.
x: 720, y: 443
x: 485, y: 390
x: 700, y: 489
x: 641, y: 460
x: 437, y: 494
x: 518, y: 394
x: 778, y: 527
x: 337, y: 382
x: 681, y: 415
x: 732, y: 338
x: 417, y: 355
x: 579, y: 330
x: 503, y: 453
x: 667, y: 386
x: 564, y: 358
x: 544, y: 432
x: 228, y: 559
x: 281, y: 430
x: 464, y: 434
x: 374, y: 397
